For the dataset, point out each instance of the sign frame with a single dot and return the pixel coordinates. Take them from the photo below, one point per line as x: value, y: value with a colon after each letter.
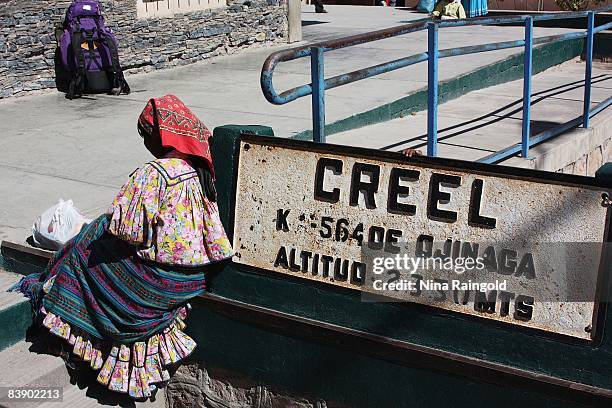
x: 444, y: 164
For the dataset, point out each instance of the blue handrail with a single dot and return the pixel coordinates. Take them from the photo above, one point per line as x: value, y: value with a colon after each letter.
x: 319, y: 83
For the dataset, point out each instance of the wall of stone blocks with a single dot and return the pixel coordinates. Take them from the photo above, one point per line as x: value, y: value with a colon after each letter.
x: 195, y: 386
x: 587, y: 164
x: 591, y: 156
x: 27, y: 37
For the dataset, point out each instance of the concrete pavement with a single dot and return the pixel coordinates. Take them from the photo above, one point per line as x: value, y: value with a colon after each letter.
x: 84, y: 149
x: 483, y: 122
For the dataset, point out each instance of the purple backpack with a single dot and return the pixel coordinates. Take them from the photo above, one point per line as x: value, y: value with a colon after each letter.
x: 87, y: 53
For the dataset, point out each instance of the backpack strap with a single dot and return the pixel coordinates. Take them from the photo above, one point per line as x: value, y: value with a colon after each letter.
x: 77, y: 82
x: 89, y: 39
x: 119, y: 80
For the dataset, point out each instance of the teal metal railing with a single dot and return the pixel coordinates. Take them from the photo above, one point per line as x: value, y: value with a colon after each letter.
x: 320, y: 84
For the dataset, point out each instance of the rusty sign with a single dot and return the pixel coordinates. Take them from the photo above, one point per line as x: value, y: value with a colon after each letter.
x: 372, y: 221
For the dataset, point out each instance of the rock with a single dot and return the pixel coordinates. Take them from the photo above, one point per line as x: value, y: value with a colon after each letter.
x: 47, y: 83
x: 594, y: 161
x: 192, y: 386
x: 569, y: 169
x: 580, y: 166
x: 607, y: 151
x: 7, y: 22
x: 23, y: 40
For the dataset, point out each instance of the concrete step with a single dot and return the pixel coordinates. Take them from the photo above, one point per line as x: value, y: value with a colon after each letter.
x: 73, y: 397
x: 22, y: 366
x: 17, y: 260
x: 31, y: 369
x: 15, y: 311
x: 28, y: 369
x: 9, y: 299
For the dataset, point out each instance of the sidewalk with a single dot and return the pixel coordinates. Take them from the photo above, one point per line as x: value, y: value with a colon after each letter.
x: 85, y: 149
x: 482, y: 122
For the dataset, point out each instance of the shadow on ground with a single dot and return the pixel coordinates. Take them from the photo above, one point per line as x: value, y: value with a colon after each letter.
x: 499, y: 114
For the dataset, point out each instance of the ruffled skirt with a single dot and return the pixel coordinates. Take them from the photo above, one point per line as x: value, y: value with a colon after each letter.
x: 134, y: 369
x: 121, y: 315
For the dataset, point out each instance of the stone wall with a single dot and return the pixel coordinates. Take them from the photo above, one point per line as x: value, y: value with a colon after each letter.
x: 588, y: 163
x: 193, y: 386
x: 27, y: 39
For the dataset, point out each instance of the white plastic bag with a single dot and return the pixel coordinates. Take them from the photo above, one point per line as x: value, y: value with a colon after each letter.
x: 57, y: 225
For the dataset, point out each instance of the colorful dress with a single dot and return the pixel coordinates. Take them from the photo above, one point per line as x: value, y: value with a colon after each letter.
x: 117, y: 292
x: 162, y: 210
x: 475, y: 8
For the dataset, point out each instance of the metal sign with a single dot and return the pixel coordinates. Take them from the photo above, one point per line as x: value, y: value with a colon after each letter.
x: 373, y: 221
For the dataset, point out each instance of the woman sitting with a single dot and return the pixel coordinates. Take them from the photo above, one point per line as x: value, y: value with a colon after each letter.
x: 117, y: 293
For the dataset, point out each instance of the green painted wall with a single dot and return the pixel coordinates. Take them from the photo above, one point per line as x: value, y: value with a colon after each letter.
x: 14, y: 322
x: 356, y: 380
x: 602, y: 48
x: 341, y: 377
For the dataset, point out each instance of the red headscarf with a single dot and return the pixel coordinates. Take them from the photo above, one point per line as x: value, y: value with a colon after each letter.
x: 177, y: 127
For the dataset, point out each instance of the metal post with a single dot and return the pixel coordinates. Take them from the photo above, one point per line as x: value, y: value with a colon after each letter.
x: 527, y: 85
x: 588, y: 70
x: 318, y: 94
x: 432, y: 89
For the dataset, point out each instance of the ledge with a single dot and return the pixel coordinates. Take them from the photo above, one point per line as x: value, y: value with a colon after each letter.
x: 377, y: 346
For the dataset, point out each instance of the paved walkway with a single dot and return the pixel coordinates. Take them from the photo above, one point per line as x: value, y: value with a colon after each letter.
x: 84, y: 149
x: 483, y: 122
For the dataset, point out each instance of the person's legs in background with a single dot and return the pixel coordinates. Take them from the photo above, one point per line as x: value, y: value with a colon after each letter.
x: 319, y: 6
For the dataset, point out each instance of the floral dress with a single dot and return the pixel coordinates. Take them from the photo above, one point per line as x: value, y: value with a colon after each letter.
x: 162, y: 210
x: 163, y: 214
